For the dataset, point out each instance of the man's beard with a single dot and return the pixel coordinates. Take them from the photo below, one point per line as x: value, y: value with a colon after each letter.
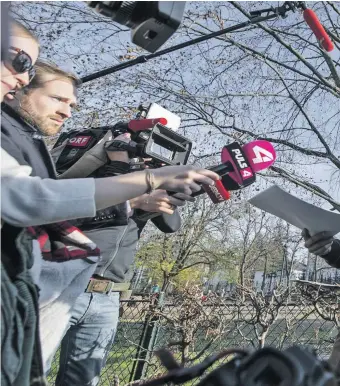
x: 45, y: 126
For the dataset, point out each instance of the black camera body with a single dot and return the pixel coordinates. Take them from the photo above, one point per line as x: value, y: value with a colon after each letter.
x: 152, y: 23
x: 295, y: 366
x: 150, y: 139
x: 161, y: 144
x: 270, y: 367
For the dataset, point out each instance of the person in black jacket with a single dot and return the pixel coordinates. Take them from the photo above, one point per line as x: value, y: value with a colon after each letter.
x: 323, y: 244
x: 21, y: 360
x: 115, y: 230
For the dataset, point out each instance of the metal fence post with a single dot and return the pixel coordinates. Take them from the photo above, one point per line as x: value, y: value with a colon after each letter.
x: 146, y: 343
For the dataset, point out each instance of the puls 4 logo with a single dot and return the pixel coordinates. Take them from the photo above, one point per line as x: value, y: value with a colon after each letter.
x: 239, y: 158
x: 261, y: 155
x: 245, y: 169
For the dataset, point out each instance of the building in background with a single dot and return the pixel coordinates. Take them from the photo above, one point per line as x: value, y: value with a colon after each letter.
x: 314, y: 271
x: 267, y: 283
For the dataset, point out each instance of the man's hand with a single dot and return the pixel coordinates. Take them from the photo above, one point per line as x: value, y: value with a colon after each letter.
x: 159, y: 202
x: 122, y: 156
x: 319, y: 244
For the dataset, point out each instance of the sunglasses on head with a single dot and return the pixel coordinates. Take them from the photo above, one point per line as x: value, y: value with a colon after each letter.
x: 21, y: 62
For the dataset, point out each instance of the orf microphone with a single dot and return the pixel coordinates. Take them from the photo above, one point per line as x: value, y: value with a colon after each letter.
x: 320, y: 33
x: 217, y: 192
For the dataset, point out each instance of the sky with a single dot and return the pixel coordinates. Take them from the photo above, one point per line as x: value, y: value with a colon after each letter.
x: 80, y: 40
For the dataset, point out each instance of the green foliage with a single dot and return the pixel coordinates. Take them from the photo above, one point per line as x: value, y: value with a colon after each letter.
x: 157, y: 257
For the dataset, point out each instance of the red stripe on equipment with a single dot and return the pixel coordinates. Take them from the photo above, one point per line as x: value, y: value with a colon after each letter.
x: 145, y: 124
x: 320, y: 33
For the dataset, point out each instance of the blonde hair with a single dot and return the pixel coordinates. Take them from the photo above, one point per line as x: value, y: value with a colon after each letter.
x: 42, y: 67
x: 17, y: 29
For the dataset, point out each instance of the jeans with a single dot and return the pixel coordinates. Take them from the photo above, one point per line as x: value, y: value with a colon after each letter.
x: 87, y: 342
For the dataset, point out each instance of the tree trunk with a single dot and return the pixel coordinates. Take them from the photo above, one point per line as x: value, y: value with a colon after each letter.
x: 242, y: 278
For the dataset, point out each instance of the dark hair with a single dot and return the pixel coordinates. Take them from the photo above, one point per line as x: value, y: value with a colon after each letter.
x: 42, y: 68
x: 17, y: 29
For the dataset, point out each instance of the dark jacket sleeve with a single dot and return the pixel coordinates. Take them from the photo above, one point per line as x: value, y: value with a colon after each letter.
x: 168, y: 223
x: 113, y: 168
x: 333, y: 257
x: 10, y: 146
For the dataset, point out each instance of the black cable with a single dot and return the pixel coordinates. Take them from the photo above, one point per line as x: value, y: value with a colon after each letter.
x: 145, y: 58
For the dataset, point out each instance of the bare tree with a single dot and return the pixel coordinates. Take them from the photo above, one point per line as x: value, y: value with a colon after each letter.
x: 261, y: 312
x: 189, y: 319
x: 270, y: 81
x: 201, y: 241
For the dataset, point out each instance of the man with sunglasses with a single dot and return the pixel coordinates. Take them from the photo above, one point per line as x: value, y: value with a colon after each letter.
x: 19, y: 63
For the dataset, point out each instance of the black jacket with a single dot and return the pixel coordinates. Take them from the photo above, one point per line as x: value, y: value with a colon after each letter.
x: 20, y: 343
x: 333, y: 257
x: 23, y: 142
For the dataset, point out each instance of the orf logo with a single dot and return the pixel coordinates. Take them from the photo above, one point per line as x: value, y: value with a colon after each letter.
x: 79, y: 140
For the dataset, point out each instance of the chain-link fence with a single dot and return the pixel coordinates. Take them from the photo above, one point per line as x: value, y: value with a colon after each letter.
x: 140, y: 333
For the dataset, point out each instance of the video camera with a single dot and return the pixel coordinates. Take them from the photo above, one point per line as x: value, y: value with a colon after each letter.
x: 152, y: 23
x: 153, y: 137
x: 268, y: 366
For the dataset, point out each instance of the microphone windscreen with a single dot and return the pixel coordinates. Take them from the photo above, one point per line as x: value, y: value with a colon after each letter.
x: 260, y: 154
x: 318, y: 30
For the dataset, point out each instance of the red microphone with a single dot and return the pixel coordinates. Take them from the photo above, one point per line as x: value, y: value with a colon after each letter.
x: 238, y: 168
x: 318, y: 30
x: 144, y: 124
x: 217, y: 192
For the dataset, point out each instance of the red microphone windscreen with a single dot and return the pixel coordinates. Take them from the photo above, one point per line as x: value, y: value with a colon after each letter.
x: 260, y: 154
x: 320, y: 33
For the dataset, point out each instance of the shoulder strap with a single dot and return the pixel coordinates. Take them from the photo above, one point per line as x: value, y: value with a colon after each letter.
x: 92, y: 160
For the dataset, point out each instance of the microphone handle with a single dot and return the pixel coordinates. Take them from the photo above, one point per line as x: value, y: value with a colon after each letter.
x: 221, y: 170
